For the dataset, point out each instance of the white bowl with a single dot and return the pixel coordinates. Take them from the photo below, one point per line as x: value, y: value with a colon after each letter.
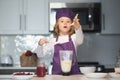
x: 117, y: 69
x: 85, y: 70
x: 96, y: 75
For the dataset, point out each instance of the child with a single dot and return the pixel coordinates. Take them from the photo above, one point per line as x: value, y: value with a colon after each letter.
x: 68, y: 34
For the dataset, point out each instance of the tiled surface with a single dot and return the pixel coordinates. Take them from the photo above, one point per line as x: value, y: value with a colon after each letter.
x: 100, y: 48
x: 16, y: 45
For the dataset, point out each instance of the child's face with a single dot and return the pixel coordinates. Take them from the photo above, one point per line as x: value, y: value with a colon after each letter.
x: 64, y: 25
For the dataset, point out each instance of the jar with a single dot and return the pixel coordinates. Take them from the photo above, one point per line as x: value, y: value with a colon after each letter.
x: 41, y: 69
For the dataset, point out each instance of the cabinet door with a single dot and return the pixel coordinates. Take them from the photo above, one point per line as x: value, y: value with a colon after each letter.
x: 36, y: 17
x: 111, y: 16
x: 10, y: 18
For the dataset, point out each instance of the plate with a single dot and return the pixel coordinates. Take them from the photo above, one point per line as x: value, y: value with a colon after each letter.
x: 96, y: 75
x: 23, y: 75
x: 114, y: 75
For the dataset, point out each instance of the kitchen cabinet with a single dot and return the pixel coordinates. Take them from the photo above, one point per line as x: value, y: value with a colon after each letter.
x: 24, y: 17
x: 36, y: 17
x: 10, y: 17
x: 110, y: 17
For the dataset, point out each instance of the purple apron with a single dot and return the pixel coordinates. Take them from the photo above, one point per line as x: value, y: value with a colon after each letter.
x: 56, y: 58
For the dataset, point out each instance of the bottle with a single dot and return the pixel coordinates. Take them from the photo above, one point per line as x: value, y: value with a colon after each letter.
x: 50, y: 69
x: 41, y: 69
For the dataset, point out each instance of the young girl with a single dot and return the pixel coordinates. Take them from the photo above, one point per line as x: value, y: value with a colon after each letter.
x: 68, y: 34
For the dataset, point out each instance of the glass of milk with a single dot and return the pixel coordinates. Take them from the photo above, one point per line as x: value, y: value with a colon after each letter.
x: 66, y: 61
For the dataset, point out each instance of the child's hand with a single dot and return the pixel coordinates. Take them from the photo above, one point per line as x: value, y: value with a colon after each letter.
x: 42, y: 41
x: 76, y: 23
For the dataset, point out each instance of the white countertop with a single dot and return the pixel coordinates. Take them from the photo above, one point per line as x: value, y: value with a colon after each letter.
x: 71, y: 77
x: 58, y: 77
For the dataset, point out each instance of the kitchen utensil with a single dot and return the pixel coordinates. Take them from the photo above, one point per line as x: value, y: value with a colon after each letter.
x: 6, y: 60
x: 87, y: 69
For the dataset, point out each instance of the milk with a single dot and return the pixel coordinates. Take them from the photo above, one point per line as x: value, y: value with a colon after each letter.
x: 66, y: 65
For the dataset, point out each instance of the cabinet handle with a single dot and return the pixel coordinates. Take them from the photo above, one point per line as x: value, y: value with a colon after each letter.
x: 20, y: 22
x: 25, y: 22
x: 103, y: 21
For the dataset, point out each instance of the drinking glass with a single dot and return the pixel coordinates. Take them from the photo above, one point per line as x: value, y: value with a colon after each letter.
x: 66, y: 61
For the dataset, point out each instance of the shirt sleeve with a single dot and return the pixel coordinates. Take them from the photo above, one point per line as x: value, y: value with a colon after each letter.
x: 39, y: 51
x: 78, y: 36
x: 46, y: 49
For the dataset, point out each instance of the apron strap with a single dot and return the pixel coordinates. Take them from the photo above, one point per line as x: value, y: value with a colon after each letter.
x: 56, y: 38
x: 70, y: 38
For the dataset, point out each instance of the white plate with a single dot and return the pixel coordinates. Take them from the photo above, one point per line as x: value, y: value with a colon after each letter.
x: 96, y: 75
x: 25, y: 76
x: 114, y: 75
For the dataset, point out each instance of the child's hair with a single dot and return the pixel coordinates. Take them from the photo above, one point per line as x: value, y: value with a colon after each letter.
x: 56, y: 30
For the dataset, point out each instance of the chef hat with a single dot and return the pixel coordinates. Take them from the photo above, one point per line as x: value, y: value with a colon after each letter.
x: 64, y: 12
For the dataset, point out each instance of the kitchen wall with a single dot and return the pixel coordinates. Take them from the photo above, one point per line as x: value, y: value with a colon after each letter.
x: 96, y: 47
x: 101, y: 48
x: 17, y: 44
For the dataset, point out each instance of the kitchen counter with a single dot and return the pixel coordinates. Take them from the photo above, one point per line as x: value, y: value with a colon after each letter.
x: 58, y: 77
x: 71, y: 77
x: 10, y: 70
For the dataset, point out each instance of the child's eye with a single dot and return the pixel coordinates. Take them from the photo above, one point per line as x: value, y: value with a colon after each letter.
x: 62, y: 21
x: 68, y: 21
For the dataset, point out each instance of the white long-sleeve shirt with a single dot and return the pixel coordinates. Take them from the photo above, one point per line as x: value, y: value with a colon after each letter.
x: 48, y: 48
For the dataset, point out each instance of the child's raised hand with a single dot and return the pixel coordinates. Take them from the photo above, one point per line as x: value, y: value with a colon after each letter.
x: 42, y: 41
x: 76, y: 23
